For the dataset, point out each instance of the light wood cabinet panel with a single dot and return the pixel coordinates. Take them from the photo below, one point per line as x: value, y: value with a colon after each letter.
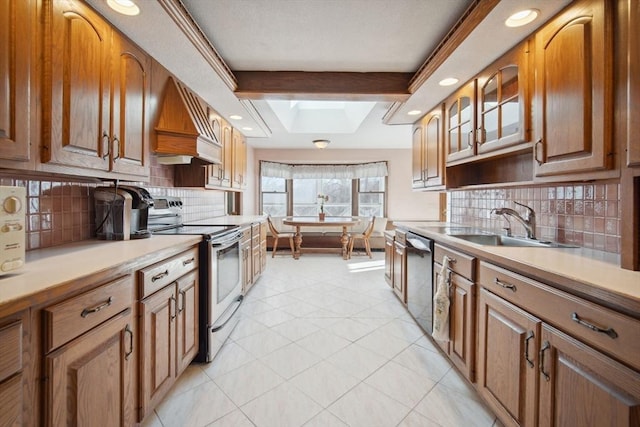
x: 84, y: 126
x: 158, y: 366
x: 428, y: 151
x: 16, y: 23
x: 239, y: 155
x: 574, y: 91
x: 96, y: 367
x: 400, y: 271
x: 220, y: 174
x: 187, y: 321
x: 580, y: 386
x: 388, y: 259
x: 247, y: 265
x: 507, y: 374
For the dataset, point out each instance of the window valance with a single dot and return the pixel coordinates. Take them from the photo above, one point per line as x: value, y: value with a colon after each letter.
x: 348, y: 171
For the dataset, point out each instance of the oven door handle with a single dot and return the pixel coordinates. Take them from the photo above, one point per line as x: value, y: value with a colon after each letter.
x: 217, y: 326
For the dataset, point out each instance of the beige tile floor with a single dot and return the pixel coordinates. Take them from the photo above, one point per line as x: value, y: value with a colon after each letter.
x: 323, y: 342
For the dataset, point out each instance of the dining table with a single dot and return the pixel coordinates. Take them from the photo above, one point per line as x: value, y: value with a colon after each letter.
x: 315, y: 221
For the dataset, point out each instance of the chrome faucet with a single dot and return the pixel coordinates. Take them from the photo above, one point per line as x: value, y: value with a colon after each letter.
x: 528, y: 222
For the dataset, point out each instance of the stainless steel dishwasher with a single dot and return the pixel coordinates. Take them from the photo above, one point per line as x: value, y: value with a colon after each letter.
x: 420, y: 280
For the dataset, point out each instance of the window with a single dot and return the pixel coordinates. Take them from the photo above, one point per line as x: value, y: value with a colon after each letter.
x: 298, y: 196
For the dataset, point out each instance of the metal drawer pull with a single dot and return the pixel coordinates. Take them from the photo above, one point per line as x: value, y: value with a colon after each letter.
x: 175, y: 308
x: 182, y: 294
x: 526, y: 348
x: 545, y: 346
x: 505, y: 284
x: 609, y: 331
x: 160, y: 275
x: 127, y: 330
x: 188, y: 261
x: 88, y: 311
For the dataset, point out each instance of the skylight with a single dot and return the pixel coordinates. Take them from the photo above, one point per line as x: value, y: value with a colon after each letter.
x: 321, y: 116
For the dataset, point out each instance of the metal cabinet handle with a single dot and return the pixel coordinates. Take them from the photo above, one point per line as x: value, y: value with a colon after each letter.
x: 470, y: 139
x: 116, y: 148
x: 181, y: 297
x: 505, y: 284
x: 127, y: 330
x: 105, y: 144
x: 609, y: 331
x: 175, y: 308
x: 535, y: 151
x: 160, y: 275
x: 545, y: 346
x: 97, y: 308
x: 188, y: 261
x: 529, y: 337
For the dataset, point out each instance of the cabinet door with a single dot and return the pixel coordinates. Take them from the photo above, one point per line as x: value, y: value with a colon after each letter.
x: 582, y: 387
x: 461, y: 123
x: 247, y: 266
x: 90, y: 381
x: 462, y: 325
x: 503, y: 102
x: 400, y: 271
x: 157, y: 370
x: 388, y: 259
x: 129, y: 117
x: 633, y: 140
x: 507, y: 359
x: 215, y: 172
x: 187, y: 321
x: 417, y: 156
x: 239, y: 160
x: 433, y: 149
x: 16, y: 29
x: 574, y: 98
x: 76, y: 87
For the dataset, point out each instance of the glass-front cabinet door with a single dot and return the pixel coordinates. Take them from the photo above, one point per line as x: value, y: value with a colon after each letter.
x: 504, y: 114
x: 461, y: 123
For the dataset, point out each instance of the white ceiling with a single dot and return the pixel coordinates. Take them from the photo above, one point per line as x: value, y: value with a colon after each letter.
x: 322, y: 35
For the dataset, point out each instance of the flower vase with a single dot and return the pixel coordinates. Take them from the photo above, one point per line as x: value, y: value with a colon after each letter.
x: 321, y: 216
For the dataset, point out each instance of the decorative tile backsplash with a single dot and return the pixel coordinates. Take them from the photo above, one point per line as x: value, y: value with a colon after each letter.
x: 586, y: 215
x: 61, y: 210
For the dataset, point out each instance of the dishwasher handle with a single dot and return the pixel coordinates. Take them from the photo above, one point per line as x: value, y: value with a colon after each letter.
x: 420, y: 244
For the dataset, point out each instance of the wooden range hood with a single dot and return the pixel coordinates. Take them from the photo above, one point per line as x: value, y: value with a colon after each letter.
x: 184, y: 129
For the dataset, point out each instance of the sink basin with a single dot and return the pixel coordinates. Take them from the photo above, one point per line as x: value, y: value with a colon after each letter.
x: 499, y: 240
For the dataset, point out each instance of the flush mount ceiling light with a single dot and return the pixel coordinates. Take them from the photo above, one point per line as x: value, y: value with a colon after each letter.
x: 235, y: 117
x: 125, y: 7
x: 521, y: 18
x: 414, y: 112
x: 321, y: 143
x: 449, y: 81
x: 247, y: 128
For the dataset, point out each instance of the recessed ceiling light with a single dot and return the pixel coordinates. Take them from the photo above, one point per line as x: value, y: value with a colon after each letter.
x: 521, y: 18
x: 448, y: 81
x: 125, y: 7
x: 247, y: 128
x: 235, y: 117
x: 414, y: 112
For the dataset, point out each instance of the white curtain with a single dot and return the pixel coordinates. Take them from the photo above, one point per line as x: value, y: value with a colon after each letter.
x: 351, y: 171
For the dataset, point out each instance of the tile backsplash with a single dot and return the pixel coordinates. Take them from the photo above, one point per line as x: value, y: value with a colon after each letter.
x: 60, y: 210
x: 586, y: 214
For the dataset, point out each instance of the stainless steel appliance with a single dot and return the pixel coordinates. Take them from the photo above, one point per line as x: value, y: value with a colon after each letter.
x: 420, y: 280
x: 12, y: 228
x: 220, y: 272
x: 121, y: 212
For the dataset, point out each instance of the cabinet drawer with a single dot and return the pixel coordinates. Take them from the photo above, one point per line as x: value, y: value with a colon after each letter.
x: 462, y: 264
x: 157, y: 276
x: 619, y: 335
x: 73, y: 317
x: 401, y: 237
x: 11, y: 349
x: 246, y: 234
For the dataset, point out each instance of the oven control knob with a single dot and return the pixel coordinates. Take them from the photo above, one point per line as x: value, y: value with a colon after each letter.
x: 12, y: 204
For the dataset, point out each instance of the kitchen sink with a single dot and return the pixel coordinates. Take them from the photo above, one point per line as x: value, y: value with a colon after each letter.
x: 500, y: 240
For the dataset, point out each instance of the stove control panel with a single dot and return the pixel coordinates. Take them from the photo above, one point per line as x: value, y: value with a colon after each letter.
x: 12, y: 228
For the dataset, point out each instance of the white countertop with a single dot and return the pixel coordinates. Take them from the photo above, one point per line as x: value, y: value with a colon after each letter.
x: 595, y: 269
x: 47, y: 268
x: 230, y: 220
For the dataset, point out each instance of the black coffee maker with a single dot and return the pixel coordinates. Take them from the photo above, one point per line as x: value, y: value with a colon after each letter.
x: 122, y: 212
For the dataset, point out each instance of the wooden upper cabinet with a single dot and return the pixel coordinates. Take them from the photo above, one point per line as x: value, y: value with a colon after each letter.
x: 15, y: 70
x: 574, y: 91
x: 428, y: 151
x: 461, y: 123
x: 504, y: 104
x: 239, y: 155
x: 83, y: 126
x: 633, y: 121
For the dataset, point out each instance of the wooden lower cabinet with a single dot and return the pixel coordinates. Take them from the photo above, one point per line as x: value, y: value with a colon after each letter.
x: 507, y: 359
x: 169, y: 331
x: 583, y: 387
x: 14, y: 357
x: 388, y: 258
x: 97, y: 366
x: 400, y: 271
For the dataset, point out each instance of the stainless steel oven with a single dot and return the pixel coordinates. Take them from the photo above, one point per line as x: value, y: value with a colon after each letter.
x: 220, y: 272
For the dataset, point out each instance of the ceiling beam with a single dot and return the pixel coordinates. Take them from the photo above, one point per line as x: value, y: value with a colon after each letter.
x: 301, y: 85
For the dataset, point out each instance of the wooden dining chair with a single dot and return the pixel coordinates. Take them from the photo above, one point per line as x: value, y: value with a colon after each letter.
x: 276, y: 235
x: 364, y: 236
